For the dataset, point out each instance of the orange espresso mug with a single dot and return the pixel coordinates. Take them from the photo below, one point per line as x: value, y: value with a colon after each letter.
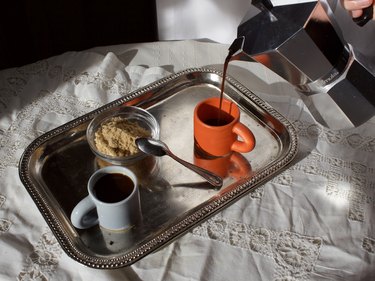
x: 216, y: 131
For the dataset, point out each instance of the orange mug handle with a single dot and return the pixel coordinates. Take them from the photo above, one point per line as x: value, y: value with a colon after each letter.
x: 248, y: 140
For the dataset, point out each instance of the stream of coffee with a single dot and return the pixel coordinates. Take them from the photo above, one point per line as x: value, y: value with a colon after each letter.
x: 226, y: 62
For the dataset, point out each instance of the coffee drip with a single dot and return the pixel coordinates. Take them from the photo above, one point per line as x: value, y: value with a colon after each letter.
x: 221, y: 122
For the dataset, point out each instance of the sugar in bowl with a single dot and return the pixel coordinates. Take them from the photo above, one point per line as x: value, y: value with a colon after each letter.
x: 111, y: 136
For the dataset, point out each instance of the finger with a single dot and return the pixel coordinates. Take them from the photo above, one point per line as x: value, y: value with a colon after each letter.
x: 356, y: 13
x: 352, y: 5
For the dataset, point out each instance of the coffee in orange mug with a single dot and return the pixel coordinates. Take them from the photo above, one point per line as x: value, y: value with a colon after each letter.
x: 216, y: 131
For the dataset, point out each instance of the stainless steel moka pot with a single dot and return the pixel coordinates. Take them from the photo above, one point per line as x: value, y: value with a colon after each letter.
x: 303, y: 44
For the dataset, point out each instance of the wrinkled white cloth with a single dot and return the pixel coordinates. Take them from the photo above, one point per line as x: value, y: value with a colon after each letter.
x: 313, y: 221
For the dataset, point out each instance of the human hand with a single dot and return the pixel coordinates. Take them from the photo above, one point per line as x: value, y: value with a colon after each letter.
x: 355, y: 7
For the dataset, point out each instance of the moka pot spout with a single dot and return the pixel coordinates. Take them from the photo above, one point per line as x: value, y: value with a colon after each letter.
x: 236, y: 51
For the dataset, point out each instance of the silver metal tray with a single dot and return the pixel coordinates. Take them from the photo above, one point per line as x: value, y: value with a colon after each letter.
x: 56, y: 166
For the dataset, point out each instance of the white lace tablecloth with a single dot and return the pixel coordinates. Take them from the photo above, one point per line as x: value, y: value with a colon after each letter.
x: 315, y: 221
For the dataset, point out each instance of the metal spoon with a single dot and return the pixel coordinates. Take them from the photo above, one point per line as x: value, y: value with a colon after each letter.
x: 159, y: 148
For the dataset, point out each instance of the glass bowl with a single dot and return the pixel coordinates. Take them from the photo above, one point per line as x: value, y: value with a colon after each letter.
x: 134, y: 114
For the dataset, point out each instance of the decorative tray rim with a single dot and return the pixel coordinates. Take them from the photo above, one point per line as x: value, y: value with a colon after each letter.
x: 178, y: 228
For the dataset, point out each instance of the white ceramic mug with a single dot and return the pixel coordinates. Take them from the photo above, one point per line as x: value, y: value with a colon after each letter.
x: 114, y: 193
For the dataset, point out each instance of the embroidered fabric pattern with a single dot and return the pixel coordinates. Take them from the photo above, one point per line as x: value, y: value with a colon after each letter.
x: 350, y: 138
x: 345, y: 180
x: 43, y: 261
x: 4, y: 223
x: 285, y: 178
x: 294, y: 255
x: 368, y: 245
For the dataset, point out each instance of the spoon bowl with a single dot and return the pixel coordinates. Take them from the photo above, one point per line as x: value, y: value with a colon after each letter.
x: 152, y: 146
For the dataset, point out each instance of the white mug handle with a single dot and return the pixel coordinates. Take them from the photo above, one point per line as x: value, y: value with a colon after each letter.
x: 84, y: 214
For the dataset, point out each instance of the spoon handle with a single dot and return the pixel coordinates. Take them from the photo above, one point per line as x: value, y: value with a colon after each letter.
x: 209, y: 176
